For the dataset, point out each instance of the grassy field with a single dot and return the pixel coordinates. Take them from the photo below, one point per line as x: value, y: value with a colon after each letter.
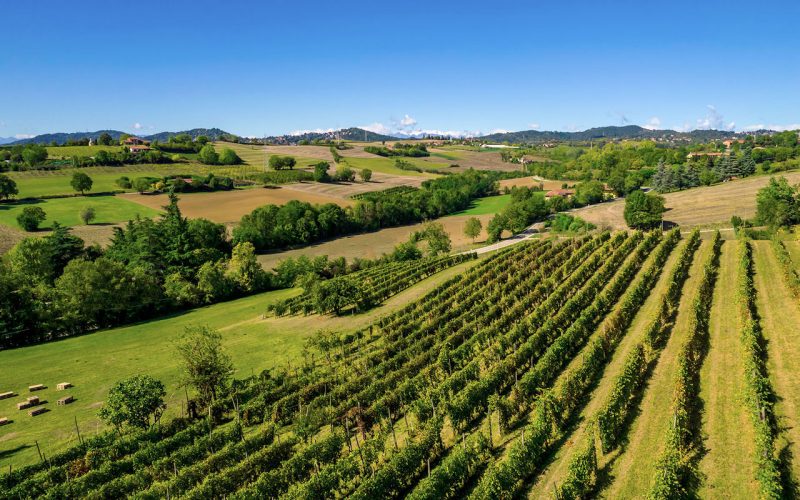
x: 93, y: 362
x: 66, y: 211
x: 70, y: 151
x: 488, y: 205
x: 37, y: 183
x: 383, y: 165
x: 703, y: 206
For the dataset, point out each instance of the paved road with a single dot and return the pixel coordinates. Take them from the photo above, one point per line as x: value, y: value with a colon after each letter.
x: 524, y: 235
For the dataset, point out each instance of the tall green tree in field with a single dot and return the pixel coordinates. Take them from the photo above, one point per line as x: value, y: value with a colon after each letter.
x: 34, y: 154
x: 777, y: 204
x: 643, y: 210
x: 365, y: 174
x: 472, y: 228
x: 437, y: 238
x: 207, y: 368
x: 134, y: 401
x: 8, y: 187
x: 81, y: 182
x: 105, y: 139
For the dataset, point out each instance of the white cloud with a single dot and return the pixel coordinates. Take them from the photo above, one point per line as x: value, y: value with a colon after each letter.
x: 713, y: 121
x: 378, y: 128
x: 137, y: 126
x: 407, y: 121
x: 779, y: 128
x: 654, y: 123
x: 24, y: 136
x: 534, y: 126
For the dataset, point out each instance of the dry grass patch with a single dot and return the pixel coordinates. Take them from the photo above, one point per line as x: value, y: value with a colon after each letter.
x: 230, y: 206
x: 375, y: 244
x: 706, y: 205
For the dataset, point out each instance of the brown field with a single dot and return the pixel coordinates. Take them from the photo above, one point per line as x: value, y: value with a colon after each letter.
x: 379, y: 182
x: 372, y: 245
x: 253, y: 154
x: 230, y: 206
x: 530, y: 182
x: 708, y: 205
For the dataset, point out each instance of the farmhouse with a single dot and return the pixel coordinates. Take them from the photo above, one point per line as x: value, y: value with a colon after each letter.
x: 136, y: 141
x: 138, y: 149
x: 564, y: 193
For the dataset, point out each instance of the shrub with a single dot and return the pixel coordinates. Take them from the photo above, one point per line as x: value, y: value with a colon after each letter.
x: 30, y: 218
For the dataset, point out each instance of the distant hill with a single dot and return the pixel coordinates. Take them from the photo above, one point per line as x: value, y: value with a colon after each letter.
x: 345, y: 134
x: 626, y: 132
x: 62, y: 137
x: 7, y: 140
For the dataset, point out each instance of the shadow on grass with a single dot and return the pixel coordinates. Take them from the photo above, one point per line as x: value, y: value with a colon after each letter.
x: 13, y: 451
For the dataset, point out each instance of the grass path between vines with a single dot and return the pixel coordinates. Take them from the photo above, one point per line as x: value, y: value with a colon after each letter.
x: 557, y: 469
x: 631, y: 471
x: 729, y: 439
x: 780, y: 317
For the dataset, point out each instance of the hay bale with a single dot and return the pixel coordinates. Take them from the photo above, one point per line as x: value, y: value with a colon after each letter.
x: 6, y: 395
x: 37, y: 411
x: 36, y: 387
x: 24, y: 405
x: 66, y: 400
x: 4, y: 421
x: 33, y: 400
x: 63, y: 386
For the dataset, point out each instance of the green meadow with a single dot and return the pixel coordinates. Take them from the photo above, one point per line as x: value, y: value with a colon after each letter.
x: 488, y: 205
x: 66, y: 211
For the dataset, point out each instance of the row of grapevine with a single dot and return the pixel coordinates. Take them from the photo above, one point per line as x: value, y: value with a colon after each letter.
x: 378, y: 283
x: 556, y: 407
x: 759, y: 395
x: 608, y: 424
x: 790, y: 274
x: 675, y: 466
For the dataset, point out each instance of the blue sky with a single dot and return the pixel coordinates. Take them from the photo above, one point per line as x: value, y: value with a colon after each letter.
x: 257, y: 68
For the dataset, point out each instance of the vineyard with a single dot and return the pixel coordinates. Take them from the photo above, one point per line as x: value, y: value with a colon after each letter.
x: 366, y: 288
x: 622, y: 365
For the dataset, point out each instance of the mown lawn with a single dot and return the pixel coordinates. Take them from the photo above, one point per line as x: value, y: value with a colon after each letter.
x: 108, y: 209
x: 70, y: 151
x: 488, y: 205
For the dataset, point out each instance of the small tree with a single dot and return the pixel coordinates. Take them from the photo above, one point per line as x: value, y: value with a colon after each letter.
x: 207, y: 367
x: 88, y: 215
x: 472, y: 228
x: 124, y: 182
x: 30, y: 218
x: 141, y: 184
x: 436, y: 236
x: 321, y: 172
x: 8, y: 187
x: 643, y: 211
x: 229, y: 157
x: 281, y: 162
x: 81, y: 182
x: 365, y: 174
x: 134, y: 401
x: 208, y: 155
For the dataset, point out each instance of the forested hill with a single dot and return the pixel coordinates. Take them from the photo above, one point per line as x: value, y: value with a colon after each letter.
x: 63, y: 137
x: 626, y: 132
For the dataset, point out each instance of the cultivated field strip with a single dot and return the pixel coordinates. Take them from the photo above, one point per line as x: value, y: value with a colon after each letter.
x: 779, y: 319
x: 729, y: 462
x: 559, y: 368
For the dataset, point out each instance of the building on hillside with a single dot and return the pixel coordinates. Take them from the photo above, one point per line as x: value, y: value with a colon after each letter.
x: 136, y: 141
x: 564, y: 193
x: 138, y: 149
x: 728, y: 142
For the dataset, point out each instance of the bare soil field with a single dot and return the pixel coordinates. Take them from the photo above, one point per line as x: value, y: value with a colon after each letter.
x: 530, y: 182
x: 230, y: 206
x: 372, y: 245
x: 708, y: 205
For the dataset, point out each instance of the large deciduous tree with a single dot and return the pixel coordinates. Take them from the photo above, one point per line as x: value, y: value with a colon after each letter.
x: 643, y: 210
x: 134, y: 401
x: 207, y: 368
